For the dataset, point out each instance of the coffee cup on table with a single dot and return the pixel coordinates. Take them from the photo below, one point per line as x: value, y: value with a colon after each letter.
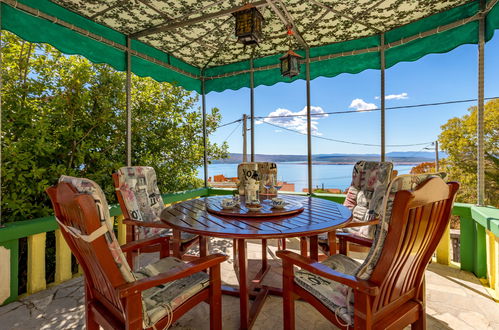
x: 228, y: 203
x: 278, y: 203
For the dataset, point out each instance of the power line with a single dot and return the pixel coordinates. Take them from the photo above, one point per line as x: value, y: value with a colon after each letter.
x: 348, y: 142
x: 379, y: 109
x: 227, y: 124
x: 232, y: 132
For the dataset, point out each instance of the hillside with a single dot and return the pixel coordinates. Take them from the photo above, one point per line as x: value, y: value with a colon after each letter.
x: 406, y: 157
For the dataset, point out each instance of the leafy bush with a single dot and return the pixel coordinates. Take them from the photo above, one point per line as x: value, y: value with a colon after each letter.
x: 65, y: 115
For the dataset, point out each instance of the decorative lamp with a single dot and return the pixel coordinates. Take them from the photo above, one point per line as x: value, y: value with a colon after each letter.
x: 290, y: 62
x: 249, y: 24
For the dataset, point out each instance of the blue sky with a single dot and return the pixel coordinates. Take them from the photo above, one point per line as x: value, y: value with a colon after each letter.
x: 433, y: 78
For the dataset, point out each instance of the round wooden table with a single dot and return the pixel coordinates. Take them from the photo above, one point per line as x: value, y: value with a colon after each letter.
x: 318, y: 216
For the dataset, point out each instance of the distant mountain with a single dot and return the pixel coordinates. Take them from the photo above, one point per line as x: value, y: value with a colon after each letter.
x: 400, y: 157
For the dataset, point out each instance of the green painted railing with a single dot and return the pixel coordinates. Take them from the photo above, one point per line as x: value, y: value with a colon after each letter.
x: 479, y: 251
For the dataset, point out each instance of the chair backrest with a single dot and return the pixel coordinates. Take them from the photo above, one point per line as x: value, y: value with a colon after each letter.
x: 401, y: 251
x: 139, y: 197
x: 245, y: 170
x: 365, y: 195
x: 80, y: 216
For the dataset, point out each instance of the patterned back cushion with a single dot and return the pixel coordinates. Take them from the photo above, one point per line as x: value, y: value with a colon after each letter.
x: 402, y: 182
x: 245, y: 170
x: 87, y: 186
x: 139, y: 188
x: 365, y: 195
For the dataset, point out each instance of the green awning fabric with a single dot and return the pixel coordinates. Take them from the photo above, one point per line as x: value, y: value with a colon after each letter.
x: 185, y: 55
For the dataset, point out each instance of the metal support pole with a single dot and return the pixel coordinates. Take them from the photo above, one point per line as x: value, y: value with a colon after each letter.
x: 309, y: 124
x: 252, y: 109
x: 437, y: 165
x: 382, y: 96
x: 205, y: 140
x: 245, y: 130
x: 480, y: 112
x: 128, y: 89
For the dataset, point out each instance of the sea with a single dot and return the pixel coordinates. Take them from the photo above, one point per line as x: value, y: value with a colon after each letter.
x: 323, y: 175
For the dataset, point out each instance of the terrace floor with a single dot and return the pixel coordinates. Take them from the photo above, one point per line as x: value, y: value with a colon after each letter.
x: 455, y: 300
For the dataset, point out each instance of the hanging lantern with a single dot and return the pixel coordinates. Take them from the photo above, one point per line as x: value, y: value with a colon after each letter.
x: 249, y: 24
x: 290, y: 62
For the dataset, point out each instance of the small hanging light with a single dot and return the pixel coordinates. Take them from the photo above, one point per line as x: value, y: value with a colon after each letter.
x: 249, y: 23
x: 290, y: 62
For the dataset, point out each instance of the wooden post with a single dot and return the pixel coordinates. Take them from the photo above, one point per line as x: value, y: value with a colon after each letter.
x: 245, y: 130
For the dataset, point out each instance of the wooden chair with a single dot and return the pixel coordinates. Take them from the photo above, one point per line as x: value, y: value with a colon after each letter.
x: 364, y: 198
x: 387, y: 290
x: 115, y: 297
x: 347, y: 238
x: 141, y: 205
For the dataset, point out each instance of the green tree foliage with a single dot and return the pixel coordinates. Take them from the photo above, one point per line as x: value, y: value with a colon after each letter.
x: 65, y: 115
x: 459, y: 140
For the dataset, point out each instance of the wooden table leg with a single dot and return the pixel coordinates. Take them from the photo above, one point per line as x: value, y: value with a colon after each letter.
x: 243, y: 283
x: 176, y: 243
x: 303, y: 246
x: 264, y: 254
x: 203, y: 246
x: 314, y: 247
x: 331, y: 237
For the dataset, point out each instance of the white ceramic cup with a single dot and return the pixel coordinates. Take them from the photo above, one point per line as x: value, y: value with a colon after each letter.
x: 228, y: 203
x: 278, y: 202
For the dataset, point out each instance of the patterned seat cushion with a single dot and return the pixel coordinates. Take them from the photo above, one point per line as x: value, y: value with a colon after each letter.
x: 161, y: 300
x: 402, y: 182
x: 245, y: 170
x: 87, y: 186
x: 365, y: 195
x: 139, y: 188
x: 331, y: 293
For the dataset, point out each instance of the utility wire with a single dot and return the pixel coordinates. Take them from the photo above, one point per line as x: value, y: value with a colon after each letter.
x: 348, y: 142
x: 227, y: 124
x: 379, y: 109
x: 228, y: 136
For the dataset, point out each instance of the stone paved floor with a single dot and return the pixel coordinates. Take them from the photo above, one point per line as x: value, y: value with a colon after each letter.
x: 455, y: 300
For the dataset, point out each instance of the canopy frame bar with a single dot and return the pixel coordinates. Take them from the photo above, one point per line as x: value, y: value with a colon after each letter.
x: 309, y: 123
x: 382, y: 95
x: 252, y: 108
x: 133, y: 52
x: 288, y: 22
x: 480, y: 110
x: 128, y: 92
x: 205, y: 137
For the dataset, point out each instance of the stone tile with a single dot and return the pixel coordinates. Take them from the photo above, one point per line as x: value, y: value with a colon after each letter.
x: 455, y: 299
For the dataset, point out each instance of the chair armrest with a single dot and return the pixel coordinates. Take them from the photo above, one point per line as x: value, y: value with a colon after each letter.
x: 361, y: 224
x: 317, y: 268
x: 355, y: 239
x: 171, y: 275
x: 156, y: 224
x: 140, y: 243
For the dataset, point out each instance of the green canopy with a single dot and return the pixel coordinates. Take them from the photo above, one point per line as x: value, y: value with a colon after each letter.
x: 186, y: 41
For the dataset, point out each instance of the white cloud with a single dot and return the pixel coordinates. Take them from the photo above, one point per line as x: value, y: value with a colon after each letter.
x: 361, y: 105
x: 401, y: 96
x: 295, y: 120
